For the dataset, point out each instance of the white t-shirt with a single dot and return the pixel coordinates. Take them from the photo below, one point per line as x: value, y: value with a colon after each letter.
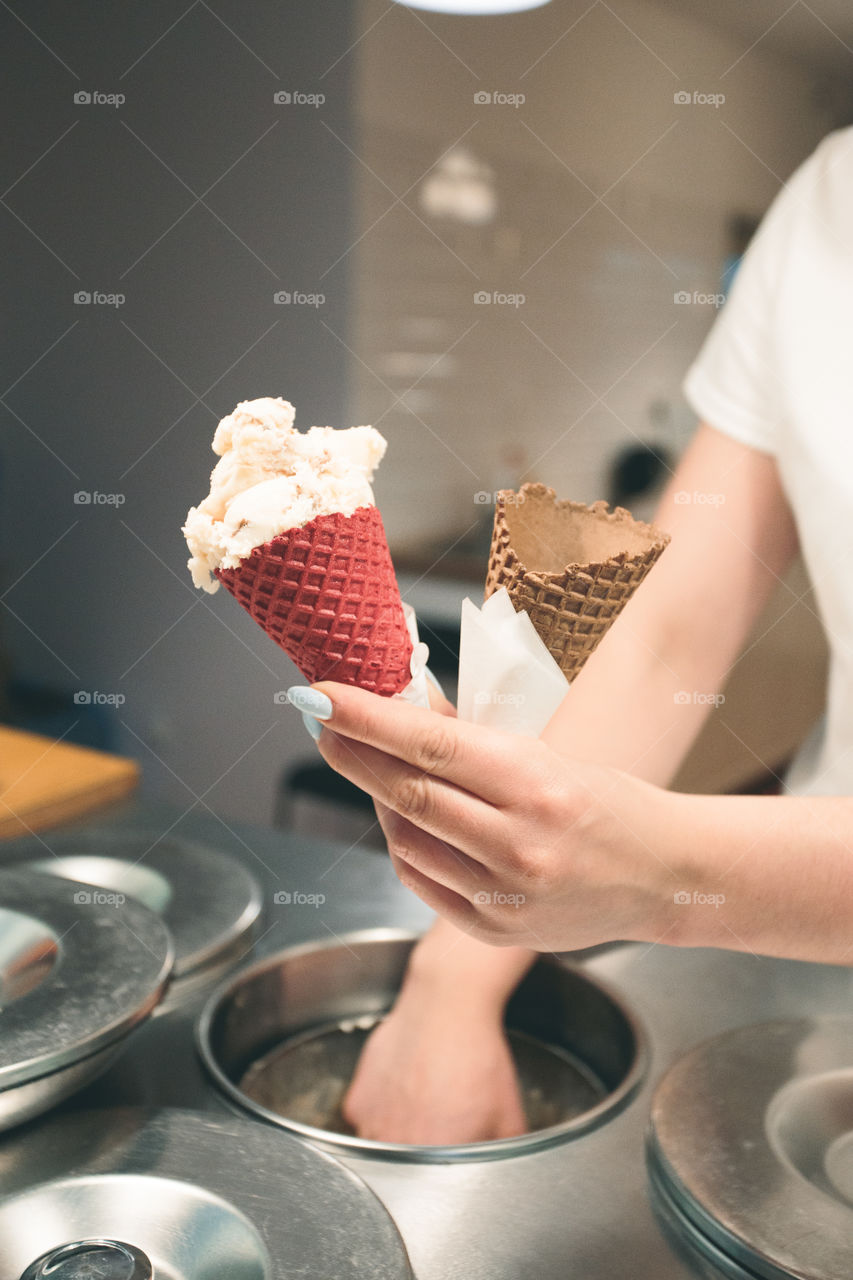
x: 776, y: 373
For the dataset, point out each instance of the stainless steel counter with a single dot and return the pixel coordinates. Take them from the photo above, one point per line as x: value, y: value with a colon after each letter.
x: 577, y: 1210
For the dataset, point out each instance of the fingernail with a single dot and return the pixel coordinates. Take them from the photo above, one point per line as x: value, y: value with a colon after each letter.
x: 312, y: 724
x: 311, y: 700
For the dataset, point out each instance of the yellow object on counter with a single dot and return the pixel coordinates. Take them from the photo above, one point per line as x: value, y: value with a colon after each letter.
x: 44, y: 783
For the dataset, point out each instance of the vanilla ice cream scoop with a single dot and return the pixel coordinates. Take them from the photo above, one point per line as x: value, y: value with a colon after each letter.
x: 271, y: 477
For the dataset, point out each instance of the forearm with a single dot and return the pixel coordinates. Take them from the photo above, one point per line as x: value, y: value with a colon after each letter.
x: 766, y: 874
x: 449, y: 966
x: 642, y: 697
x: 636, y: 707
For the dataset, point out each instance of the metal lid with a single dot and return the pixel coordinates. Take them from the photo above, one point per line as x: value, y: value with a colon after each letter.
x: 197, y: 1195
x: 74, y: 976
x: 209, y: 902
x: 98, y: 1259
x: 751, y: 1148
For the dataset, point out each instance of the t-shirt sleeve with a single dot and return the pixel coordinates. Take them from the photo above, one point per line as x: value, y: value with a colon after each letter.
x: 733, y: 384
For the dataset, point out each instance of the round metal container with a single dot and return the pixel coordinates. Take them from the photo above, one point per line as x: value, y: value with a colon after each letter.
x: 282, y: 1037
x: 209, y: 902
x: 184, y: 1196
x: 750, y: 1150
x: 75, y: 979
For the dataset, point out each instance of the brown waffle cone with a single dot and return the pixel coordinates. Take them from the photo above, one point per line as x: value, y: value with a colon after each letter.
x: 570, y: 567
x: 327, y: 594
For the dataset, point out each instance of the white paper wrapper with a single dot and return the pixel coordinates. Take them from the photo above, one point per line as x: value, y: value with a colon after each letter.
x: 417, y: 691
x: 507, y: 677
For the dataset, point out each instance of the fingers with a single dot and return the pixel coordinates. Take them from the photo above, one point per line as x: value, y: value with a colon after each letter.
x: 435, y: 806
x: 452, y: 906
x: 435, y: 859
x: 484, y: 762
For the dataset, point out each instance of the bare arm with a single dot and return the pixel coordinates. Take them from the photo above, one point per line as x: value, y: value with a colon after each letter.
x: 686, y: 625
x: 681, y: 633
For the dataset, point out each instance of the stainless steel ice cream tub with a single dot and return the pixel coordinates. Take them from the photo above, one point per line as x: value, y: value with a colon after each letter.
x: 281, y: 1040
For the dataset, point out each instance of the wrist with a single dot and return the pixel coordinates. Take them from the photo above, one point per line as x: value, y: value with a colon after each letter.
x: 641, y: 850
x: 684, y: 890
x: 461, y: 973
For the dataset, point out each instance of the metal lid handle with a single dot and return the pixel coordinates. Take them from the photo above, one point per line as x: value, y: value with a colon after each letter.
x: 95, y: 1259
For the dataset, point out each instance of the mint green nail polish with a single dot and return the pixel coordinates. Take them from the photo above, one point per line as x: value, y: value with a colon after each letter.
x: 312, y: 724
x: 311, y: 701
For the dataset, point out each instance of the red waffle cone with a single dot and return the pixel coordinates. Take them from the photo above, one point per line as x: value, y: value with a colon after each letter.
x: 327, y: 594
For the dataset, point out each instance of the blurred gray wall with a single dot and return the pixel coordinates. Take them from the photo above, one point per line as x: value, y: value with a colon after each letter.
x: 197, y: 198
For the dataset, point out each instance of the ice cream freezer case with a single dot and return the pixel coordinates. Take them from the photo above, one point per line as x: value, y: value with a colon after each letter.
x: 708, y: 1174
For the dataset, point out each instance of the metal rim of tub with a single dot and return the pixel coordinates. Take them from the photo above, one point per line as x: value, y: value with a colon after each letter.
x: 209, y: 901
x: 345, y: 1144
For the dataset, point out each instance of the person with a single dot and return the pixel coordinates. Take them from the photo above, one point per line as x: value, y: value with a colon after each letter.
x: 580, y: 822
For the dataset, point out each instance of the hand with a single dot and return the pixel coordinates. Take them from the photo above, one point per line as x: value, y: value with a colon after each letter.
x: 508, y: 840
x: 437, y: 1071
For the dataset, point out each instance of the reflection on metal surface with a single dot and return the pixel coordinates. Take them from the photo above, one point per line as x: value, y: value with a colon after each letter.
x: 209, y: 902
x: 583, y: 1053
x: 137, y: 881
x: 112, y: 968
x: 85, y: 1259
x: 24, y: 1101
x: 188, y: 1196
x: 750, y: 1148
x: 810, y: 1123
x: 28, y: 951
